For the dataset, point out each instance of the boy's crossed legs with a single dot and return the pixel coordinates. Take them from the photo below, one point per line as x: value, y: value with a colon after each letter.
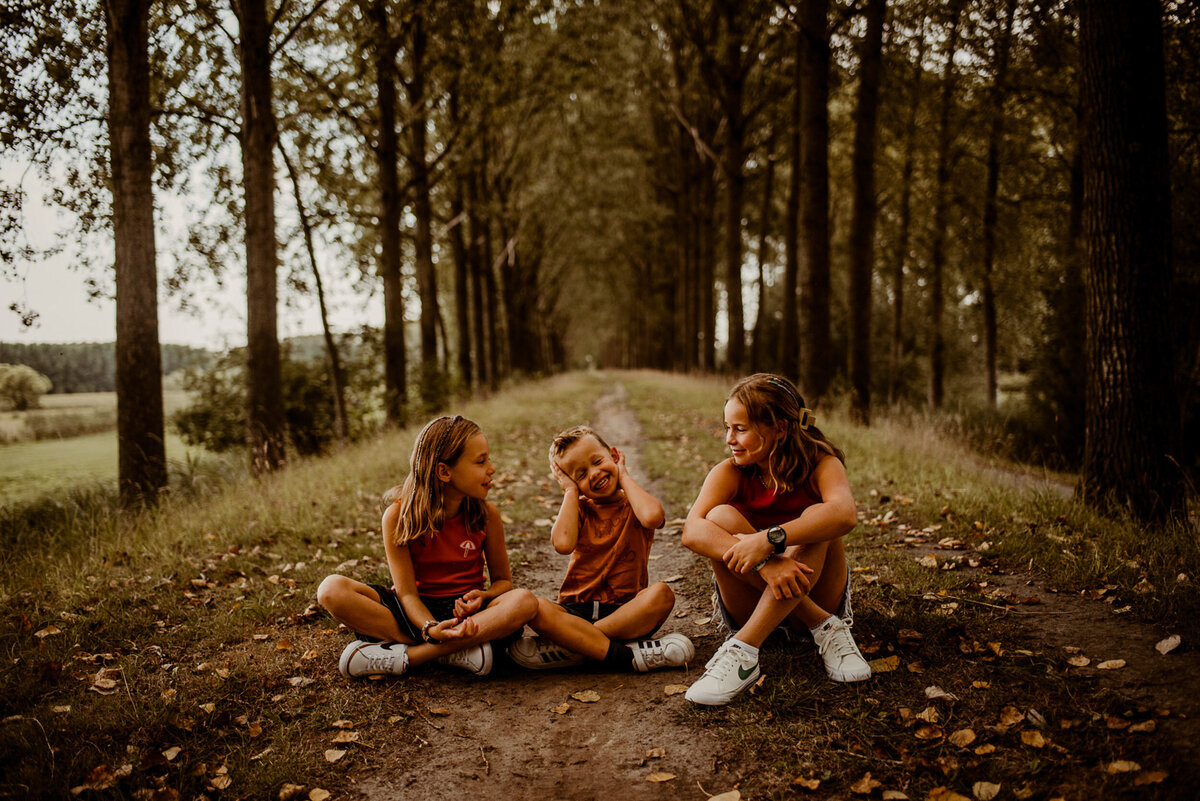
x: 568, y: 638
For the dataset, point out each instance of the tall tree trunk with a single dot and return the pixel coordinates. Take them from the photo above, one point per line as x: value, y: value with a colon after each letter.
x: 706, y: 277
x: 462, y: 260
x: 896, y: 351
x: 789, y: 337
x: 395, y: 358
x: 337, y: 381
x: 1132, y: 440
x: 264, y: 383
x: 941, y: 209
x: 141, y: 453
x: 757, y: 351
x: 990, y: 205
x: 478, y: 264
x: 734, y: 158
x: 423, y: 211
x: 862, y: 226
x: 817, y: 361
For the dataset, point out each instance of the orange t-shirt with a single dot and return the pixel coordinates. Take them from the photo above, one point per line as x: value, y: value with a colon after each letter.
x: 450, y: 562
x: 610, y: 557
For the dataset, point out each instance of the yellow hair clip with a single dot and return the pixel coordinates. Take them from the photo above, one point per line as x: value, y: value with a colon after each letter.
x: 807, y: 418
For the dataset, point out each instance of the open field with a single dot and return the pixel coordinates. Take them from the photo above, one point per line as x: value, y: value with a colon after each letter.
x: 84, y: 452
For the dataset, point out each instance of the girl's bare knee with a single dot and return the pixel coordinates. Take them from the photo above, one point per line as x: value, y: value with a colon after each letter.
x: 525, y: 604
x: 729, y: 519
x: 331, y: 591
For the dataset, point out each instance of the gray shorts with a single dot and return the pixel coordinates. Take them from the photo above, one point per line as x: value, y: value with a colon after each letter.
x: 726, y: 622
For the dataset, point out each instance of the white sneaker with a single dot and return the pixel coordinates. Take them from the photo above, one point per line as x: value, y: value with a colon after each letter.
x: 843, y: 660
x: 477, y: 659
x: 669, y: 650
x: 730, y: 671
x: 373, y: 658
x: 539, y: 653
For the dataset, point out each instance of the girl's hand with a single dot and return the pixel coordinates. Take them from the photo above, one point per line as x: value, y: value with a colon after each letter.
x: 747, y: 552
x: 564, y: 481
x: 786, y: 578
x: 469, y: 604
x: 453, y: 629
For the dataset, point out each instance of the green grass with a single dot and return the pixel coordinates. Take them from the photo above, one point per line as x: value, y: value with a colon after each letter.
x: 209, y: 601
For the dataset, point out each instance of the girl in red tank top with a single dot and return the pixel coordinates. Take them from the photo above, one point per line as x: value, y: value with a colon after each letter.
x: 771, y: 519
x: 441, y: 536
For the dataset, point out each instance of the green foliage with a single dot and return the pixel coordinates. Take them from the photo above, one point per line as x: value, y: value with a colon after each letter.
x: 21, y: 387
x: 89, y: 366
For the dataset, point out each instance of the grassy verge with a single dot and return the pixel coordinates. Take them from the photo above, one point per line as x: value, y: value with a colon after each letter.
x: 179, y: 652
x: 1019, y: 719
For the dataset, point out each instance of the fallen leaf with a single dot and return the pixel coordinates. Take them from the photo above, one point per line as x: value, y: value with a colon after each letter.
x: 300, y: 681
x: 1033, y: 738
x: 985, y: 791
x: 561, y: 709
x: 61, y: 709
x: 675, y: 689
x: 936, y: 693
x: 1169, y: 644
x: 586, y: 696
x: 656, y: 753
x: 440, y: 711
x: 864, y: 786
x: 342, y: 724
x: 221, y: 782
x: 732, y: 795
x: 894, y: 795
x: 346, y: 737
x: 658, y: 776
x: 1149, y: 777
x: 962, y: 738
x: 1079, y: 661
x: 928, y: 714
x: 807, y: 784
x: 673, y: 579
x: 985, y: 749
x: 885, y: 665
x: 209, y: 707
x: 254, y: 729
x: 290, y: 791
x: 262, y: 637
x: 944, y: 794
x: 49, y: 631
x: 171, y: 753
x: 930, y: 561
x: 1144, y: 727
x: 928, y: 733
x: 333, y: 755
x: 981, y: 685
x: 1022, y: 792
x: 1010, y: 716
x: 1116, y: 723
x: 1122, y: 766
x: 1111, y: 664
x: 317, y: 794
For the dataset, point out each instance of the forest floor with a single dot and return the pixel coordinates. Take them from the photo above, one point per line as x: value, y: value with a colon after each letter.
x: 182, y: 656
x: 524, y: 735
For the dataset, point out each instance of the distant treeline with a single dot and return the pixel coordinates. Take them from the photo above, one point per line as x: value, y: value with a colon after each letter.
x: 89, y: 366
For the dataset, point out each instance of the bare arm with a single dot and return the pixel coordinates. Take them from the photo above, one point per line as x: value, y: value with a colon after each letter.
x: 565, y: 534
x: 405, y: 581
x: 701, y: 534
x: 646, y: 508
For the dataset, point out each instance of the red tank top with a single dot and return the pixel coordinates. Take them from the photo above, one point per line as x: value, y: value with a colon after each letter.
x: 763, y: 507
x: 450, y: 562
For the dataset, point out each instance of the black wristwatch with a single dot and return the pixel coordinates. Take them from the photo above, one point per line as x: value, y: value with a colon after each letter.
x: 777, y: 537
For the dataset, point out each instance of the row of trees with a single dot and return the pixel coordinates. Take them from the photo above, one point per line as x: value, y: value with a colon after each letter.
x: 89, y: 366
x: 898, y: 197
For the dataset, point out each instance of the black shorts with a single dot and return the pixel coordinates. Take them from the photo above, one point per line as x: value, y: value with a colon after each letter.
x: 590, y: 610
x: 442, y: 608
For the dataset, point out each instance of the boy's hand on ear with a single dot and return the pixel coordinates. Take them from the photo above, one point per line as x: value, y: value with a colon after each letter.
x: 564, y: 481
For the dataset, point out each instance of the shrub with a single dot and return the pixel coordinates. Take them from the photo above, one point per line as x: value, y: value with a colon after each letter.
x: 21, y: 386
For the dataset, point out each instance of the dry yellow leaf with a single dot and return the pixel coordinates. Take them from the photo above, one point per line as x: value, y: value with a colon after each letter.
x: 732, y: 795
x: 864, y: 786
x: 1033, y: 738
x: 586, y: 696
x: 1010, y: 716
x: 561, y: 709
x: 49, y: 631
x: 894, y: 795
x: 675, y: 689
x: 962, y: 738
x: 659, y: 776
x: 807, y: 784
x: 1111, y: 664
x: 171, y: 753
x: 1122, y: 766
x: 333, y: 755
x: 928, y: 714
x: 656, y: 753
x: 1168, y: 644
x: 254, y: 729
x: 342, y: 724
x: 283, y: 645
x: 928, y: 733
x: 346, y: 737
x: 317, y: 794
x: 944, y: 794
x: 985, y: 749
x: 1145, y: 727
x: 221, y: 782
x: 210, y: 707
x: 985, y: 791
x: 981, y: 685
x: 1149, y: 777
x: 440, y: 711
x: 289, y: 791
x: 1079, y: 661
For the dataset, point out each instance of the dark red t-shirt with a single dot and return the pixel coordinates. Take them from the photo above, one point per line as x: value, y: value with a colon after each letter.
x: 450, y: 562
x: 763, y: 507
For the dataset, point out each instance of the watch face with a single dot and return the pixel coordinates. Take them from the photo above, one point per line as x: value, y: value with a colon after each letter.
x: 777, y: 537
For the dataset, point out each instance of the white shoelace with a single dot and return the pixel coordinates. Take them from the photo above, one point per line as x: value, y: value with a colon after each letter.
x: 840, y: 642
x: 723, y: 662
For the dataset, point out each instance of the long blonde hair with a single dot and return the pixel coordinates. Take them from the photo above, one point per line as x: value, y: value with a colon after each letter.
x: 769, y: 400
x: 421, y: 497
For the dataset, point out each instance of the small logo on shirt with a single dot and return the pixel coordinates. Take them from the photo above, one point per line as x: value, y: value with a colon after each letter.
x: 467, y: 547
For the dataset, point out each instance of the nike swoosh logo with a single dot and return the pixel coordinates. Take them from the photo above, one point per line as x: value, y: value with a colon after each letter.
x: 744, y: 674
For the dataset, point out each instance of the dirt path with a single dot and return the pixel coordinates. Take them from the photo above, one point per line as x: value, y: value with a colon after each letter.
x: 502, y: 737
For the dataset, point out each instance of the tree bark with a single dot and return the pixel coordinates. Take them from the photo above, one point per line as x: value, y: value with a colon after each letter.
x: 862, y: 225
x: 757, y: 351
x: 141, y: 453
x: 395, y: 359
x: 733, y: 79
x: 990, y: 205
x: 1132, y: 439
x: 817, y: 361
x: 941, y: 209
x: 462, y: 261
x: 265, y: 425
x: 789, y: 337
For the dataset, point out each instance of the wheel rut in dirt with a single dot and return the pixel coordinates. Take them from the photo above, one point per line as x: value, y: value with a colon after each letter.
x: 507, y: 733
